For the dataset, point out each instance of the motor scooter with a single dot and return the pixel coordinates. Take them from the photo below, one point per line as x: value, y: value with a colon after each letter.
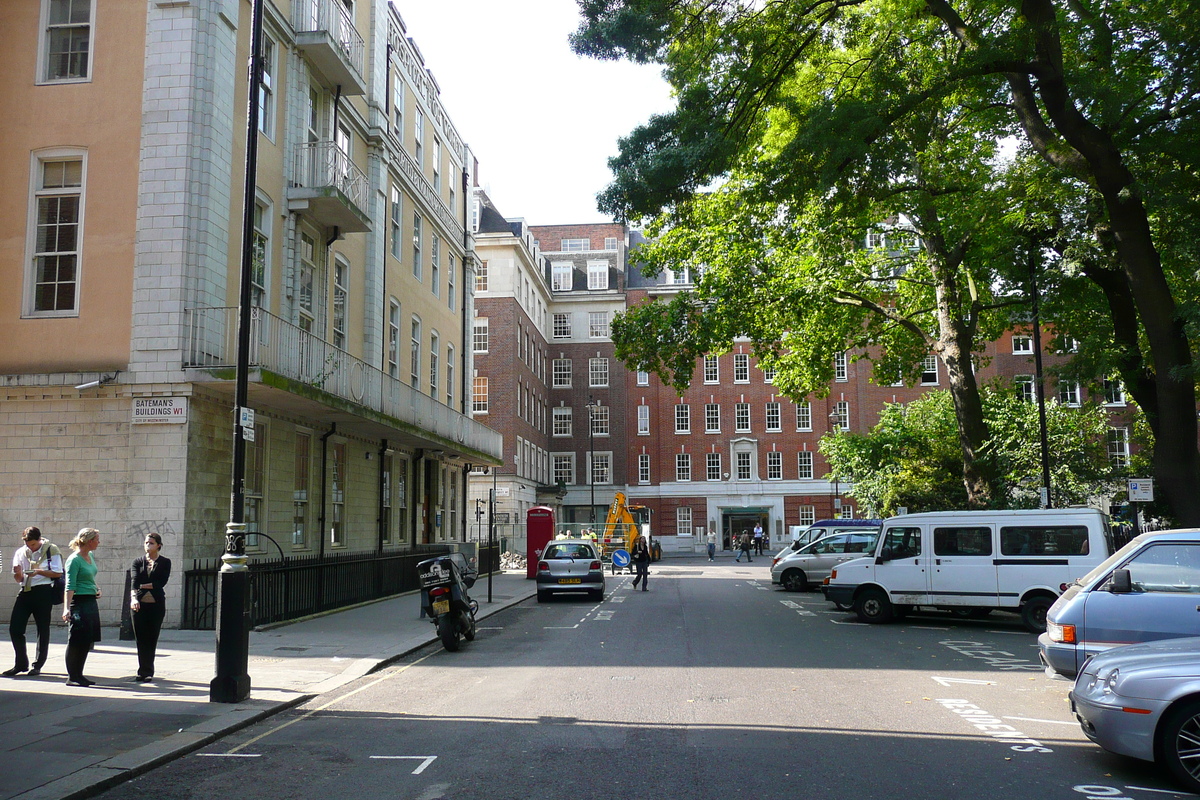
x: 444, y: 583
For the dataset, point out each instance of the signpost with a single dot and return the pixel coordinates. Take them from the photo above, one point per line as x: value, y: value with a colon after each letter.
x: 1141, y: 490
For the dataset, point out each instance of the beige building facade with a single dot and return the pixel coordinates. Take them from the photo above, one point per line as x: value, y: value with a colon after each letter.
x: 121, y: 245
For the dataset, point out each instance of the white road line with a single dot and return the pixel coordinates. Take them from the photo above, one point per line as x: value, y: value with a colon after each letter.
x: 836, y: 622
x: 1047, y: 721
x: 230, y: 755
x: 425, y: 761
x: 560, y: 627
x: 480, y: 628
x: 1161, y: 791
x: 1010, y: 633
x: 927, y: 628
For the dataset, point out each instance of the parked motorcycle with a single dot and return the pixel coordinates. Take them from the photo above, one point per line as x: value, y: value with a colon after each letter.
x: 444, y: 583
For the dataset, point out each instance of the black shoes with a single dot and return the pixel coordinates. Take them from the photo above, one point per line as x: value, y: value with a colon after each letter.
x: 34, y: 672
x: 81, y: 681
x: 12, y: 673
x: 144, y: 678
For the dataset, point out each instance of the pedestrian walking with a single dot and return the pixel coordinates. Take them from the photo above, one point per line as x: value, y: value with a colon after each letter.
x: 35, y: 567
x: 148, y: 602
x: 82, y: 613
x: 758, y: 539
x: 712, y: 545
x: 641, y: 561
x: 744, y: 548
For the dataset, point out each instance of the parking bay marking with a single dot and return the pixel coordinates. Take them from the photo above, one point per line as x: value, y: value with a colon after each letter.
x: 425, y: 761
x: 798, y: 608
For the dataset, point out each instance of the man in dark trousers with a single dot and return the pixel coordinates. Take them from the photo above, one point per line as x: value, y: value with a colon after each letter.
x: 34, y: 567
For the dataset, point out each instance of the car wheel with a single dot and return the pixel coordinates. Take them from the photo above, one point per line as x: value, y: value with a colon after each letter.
x: 874, y: 606
x: 963, y: 612
x: 1179, y: 743
x: 1033, y: 613
x: 794, y: 580
x: 543, y: 596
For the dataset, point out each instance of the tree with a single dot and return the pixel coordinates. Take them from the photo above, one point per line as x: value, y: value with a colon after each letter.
x: 1107, y: 97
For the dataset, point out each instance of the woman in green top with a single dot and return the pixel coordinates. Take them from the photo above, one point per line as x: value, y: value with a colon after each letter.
x: 81, y: 612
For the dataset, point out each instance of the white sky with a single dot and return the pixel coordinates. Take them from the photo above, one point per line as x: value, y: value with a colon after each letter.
x: 542, y: 121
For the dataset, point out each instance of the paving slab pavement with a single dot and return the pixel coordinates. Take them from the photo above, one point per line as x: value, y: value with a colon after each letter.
x: 59, y: 742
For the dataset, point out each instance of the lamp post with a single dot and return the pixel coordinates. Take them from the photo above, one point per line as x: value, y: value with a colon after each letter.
x: 591, y: 467
x: 1043, y: 436
x: 835, y: 424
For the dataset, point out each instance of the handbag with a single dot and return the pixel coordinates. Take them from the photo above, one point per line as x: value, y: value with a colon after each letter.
x: 58, y: 586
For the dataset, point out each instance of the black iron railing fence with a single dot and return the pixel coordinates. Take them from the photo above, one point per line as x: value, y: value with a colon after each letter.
x: 296, y: 586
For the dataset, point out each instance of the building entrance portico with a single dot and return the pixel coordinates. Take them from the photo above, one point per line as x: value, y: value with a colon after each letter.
x: 735, y: 521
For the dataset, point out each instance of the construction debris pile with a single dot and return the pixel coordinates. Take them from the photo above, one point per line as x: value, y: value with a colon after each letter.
x: 512, y: 560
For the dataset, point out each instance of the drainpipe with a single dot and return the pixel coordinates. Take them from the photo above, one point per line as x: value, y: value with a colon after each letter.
x: 324, y: 477
x: 383, y: 448
x: 464, y: 395
x: 418, y: 480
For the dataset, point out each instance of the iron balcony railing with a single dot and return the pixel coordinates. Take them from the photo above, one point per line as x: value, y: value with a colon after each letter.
x: 332, y: 17
x: 321, y: 164
x: 288, y: 350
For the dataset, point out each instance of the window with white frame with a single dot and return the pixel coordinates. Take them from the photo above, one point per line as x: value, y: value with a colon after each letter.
x: 712, y: 418
x: 341, y: 293
x: 1026, y: 388
x: 562, y: 418
x: 841, y: 367
x: 600, y: 420
x: 386, y: 464
x: 437, y: 165
x: 1022, y: 345
x: 683, y: 418
x: 712, y: 466
x: 683, y: 521
x: 479, y: 395
x: 774, y: 420
x: 1068, y: 393
x: 774, y: 466
x: 338, y: 482
x: 1114, y: 392
x: 301, y: 480
x: 804, y: 465
x: 575, y: 245
x: 419, y: 139
x: 395, y: 224
x: 643, y: 420
x: 712, y: 372
x: 598, y: 324
x: 416, y: 246
x: 601, y: 468
x: 260, y: 252
x: 479, y: 335
x: 398, y: 108
x: 434, y: 354
x: 57, y: 209
x: 929, y: 371
x: 414, y: 365
x: 597, y: 372
x: 561, y: 273
x: 803, y: 416
x: 741, y: 418
x: 643, y: 378
x: 562, y: 326
x: 768, y: 374
x: 563, y: 468
x: 683, y: 467
x: 610, y: 242
x: 393, y: 338
x: 741, y: 368
x: 67, y: 43
x: 481, y: 277
x: 875, y: 240
x: 266, y: 89
x: 808, y: 515
x: 562, y: 373
x: 309, y: 255
x: 451, y: 280
x: 1118, y: 447
x: 435, y: 265
x: 745, y: 466
x: 255, y: 484
x: 842, y: 409
x: 400, y: 499
x: 450, y: 375
x: 643, y: 467
x: 597, y: 272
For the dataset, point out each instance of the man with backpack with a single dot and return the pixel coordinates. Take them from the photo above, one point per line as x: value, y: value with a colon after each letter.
x: 35, y: 567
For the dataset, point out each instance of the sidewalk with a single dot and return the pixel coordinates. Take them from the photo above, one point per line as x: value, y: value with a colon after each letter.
x: 64, y: 742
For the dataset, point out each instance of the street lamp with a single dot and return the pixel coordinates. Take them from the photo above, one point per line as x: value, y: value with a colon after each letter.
x: 835, y: 423
x: 591, y: 407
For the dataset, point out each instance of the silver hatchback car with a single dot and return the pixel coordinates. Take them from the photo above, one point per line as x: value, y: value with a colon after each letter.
x: 570, y: 565
x: 1144, y: 701
x: 812, y: 563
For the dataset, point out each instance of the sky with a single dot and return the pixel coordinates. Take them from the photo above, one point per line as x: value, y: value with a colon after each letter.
x: 542, y: 121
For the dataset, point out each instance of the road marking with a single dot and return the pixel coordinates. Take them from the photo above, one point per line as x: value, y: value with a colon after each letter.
x: 604, y: 615
x: 230, y: 755
x: 560, y: 627
x: 989, y: 725
x: 927, y: 628
x: 790, y: 603
x: 614, y: 599
x: 1046, y: 721
x: 969, y: 681
x: 1010, y: 633
x: 425, y: 761
x: 481, y: 628
x: 1160, y: 791
x: 997, y: 659
x: 838, y: 622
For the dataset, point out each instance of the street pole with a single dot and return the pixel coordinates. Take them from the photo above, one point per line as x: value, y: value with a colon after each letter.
x: 1047, y: 502
x: 591, y: 465
x: 231, y: 684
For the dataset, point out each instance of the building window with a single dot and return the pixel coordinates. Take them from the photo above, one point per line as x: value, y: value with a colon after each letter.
x: 481, y: 277
x: 450, y: 375
x: 875, y: 240
x: 643, y: 378
x: 340, y: 294
x: 416, y: 247
x: 255, y: 484
x: 575, y: 245
x: 803, y: 416
x: 1114, y: 392
x: 479, y: 395
x: 301, y: 479
x: 842, y: 409
x: 774, y: 466
x: 597, y: 275
x: 598, y: 324
x: 601, y: 468
x: 308, y: 272
x: 768, y: 374
x: 1118, y: 447
x: 414, y: 356
x: 394, y: 224
x: 741, y: 418
x: 808, y: 515
x: 745, y: 470
x: 385, y: 497
x: 1068, y: 393
x: 683, y: 467
x: 398, y: 108
x: 437, y: 165
x: 266, y: 89
x: 479, y: 336
x: 841, y: 367
x: 598, y: 372
x: 610, y: 243
x: 55, y: 249
x: 712, y: 371
x: 600, y: 420
x: 683, y: 418
x: 1022, y: 345
x: 564, y: 469
x: 434, y: 347
x: 929, y: 371
x: 260, y: 249
x: 393, y: 338
x: 804, y: 464
x: 68, y: 39
x: 451, y: 270
x: 712, y: 418
x: 683, y: 521
x: 643, y: 420
x: 419, y: 139
x: 560, y: 276
x: 562, y: 326
x: 741, y: 368
x: 400, y: 499
x: 774, y: 420
x: 1026, y: 388
x: 712, y: 466
x: 562, y: 418
x: 338, y: 481
x: 435, y: 265
x: 643, y: 467
x: 562, y: 373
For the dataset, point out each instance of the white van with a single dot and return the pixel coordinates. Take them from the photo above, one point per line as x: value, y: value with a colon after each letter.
x: 971, y: 562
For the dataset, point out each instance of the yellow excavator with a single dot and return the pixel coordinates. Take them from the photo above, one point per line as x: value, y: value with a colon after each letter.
x: 624, y: 524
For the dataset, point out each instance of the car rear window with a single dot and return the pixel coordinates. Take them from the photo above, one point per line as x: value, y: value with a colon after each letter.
x: 1044, y: 540
x: 568, y: 551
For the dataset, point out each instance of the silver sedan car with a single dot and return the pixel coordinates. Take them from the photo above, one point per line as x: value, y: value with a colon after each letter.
x: 1144, y: 701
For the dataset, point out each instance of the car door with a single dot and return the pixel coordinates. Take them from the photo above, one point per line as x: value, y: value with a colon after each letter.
x: 904, y: 569
x: 820, y: 557
x: 1164, y: 603
x: 964, y: 571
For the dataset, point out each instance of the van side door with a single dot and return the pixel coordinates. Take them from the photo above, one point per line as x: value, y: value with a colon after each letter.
x: 1042, y: 555
x: 902, y: 566
x: 964, y: 572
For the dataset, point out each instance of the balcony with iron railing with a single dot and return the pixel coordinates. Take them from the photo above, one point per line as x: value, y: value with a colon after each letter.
x: 329, y: 188
x: 316, y: 370
x: 326, y: 35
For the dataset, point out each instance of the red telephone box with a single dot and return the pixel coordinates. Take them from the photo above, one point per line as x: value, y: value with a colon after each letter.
x: 539, y: 530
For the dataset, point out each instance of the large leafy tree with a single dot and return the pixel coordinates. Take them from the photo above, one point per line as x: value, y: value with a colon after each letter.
x: 1105, y: 94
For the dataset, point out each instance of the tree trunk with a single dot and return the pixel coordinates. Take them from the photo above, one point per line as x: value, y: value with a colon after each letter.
x: 978, y: 472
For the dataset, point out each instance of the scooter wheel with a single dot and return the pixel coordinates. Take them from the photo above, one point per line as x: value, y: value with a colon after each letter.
x: 448, y: 632
x: 469, y: 633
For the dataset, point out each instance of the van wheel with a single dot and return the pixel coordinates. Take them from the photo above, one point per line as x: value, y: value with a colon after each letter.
x: 1033, y: 613
x: 874, y: 606
x: 794, y: 580
x: 1176, y: 745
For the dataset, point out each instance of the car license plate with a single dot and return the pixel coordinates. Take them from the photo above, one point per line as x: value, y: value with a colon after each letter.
x: 568, y: 580
x: 441, y: 607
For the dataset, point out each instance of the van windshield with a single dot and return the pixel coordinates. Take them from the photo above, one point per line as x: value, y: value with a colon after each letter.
x: 1111, y: 562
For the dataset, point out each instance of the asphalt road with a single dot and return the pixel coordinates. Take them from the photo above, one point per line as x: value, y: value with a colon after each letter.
x: 713, y: 684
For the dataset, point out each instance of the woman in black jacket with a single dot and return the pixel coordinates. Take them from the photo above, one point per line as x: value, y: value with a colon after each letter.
x: 148, y: 602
